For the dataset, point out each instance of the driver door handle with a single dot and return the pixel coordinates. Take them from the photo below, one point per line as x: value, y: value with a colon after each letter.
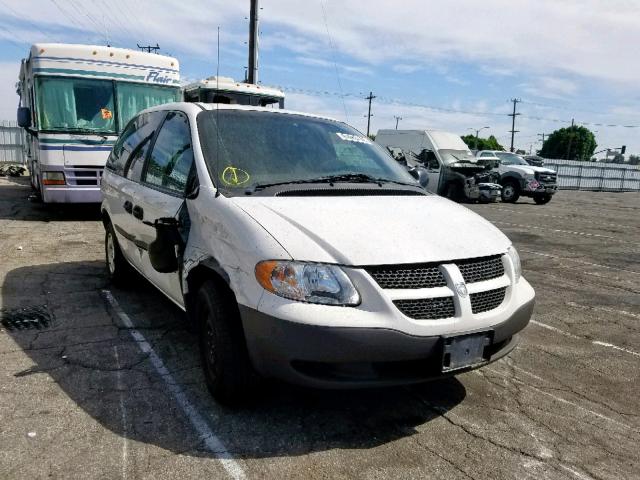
x: 128, y: 206
x: 138, y: 212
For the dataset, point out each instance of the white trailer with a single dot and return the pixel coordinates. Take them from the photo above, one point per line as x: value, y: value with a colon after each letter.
x: 74, y: 100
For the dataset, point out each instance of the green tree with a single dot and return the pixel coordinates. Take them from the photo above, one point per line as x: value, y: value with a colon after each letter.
x: 483, y: 143
x: 634, y: 159
x: 572, y: 143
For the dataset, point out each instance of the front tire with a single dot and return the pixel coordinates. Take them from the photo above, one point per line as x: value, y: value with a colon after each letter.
x: 542, y: 199
x: 118, y: 268
x: 510, y: 192
x: 228, y: 373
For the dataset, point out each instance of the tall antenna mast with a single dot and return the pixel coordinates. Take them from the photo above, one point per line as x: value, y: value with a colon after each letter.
x: 252, y: 76
x: 217, y: 164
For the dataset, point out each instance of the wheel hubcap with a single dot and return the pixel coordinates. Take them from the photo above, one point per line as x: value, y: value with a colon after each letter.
x: 508, y: 191
x: 111, y: 253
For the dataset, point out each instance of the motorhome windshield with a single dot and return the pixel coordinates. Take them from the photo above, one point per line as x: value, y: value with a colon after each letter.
x: 251, y: 148
x: 76, y: 104
x: 87, y: 105
x: 455, y: 156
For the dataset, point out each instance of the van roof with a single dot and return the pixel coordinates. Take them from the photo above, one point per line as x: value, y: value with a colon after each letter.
x: 229, y: 84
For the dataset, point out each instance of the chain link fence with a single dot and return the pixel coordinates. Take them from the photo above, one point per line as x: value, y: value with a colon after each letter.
x: 601, y: 177
x: 12, y: 143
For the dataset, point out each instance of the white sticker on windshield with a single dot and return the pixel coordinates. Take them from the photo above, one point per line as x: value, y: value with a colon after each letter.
x: 352, y: 138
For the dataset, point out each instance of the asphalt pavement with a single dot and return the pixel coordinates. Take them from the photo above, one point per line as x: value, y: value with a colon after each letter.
x: 101, y: 382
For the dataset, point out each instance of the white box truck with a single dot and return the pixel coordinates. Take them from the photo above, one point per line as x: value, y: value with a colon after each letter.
x: 453, y: 170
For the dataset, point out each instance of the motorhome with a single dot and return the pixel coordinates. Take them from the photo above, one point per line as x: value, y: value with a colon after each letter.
x: 74, y: 101
x: 227, y: 90
x: 453, y: 171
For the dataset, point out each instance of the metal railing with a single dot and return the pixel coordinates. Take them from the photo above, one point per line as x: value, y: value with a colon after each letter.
x: 12, y: 143
x: 601, y: 177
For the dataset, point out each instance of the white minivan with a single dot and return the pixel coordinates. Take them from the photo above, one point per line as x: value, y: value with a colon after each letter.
x: 300, y: 250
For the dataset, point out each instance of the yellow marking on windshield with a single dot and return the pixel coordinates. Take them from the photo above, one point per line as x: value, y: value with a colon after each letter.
x: 234, y: 176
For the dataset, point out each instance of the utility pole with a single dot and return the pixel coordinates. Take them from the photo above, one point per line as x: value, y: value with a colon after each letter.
x: 370, y: 97
x: 542, y: 135
x: 148, y: 48
x: 513, y: 120
x: 397, y: 120
x: 570, y: 139
x: 252, y: 76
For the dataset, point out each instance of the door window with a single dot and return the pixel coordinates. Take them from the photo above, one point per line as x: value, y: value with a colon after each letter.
x: 133, y: 142
x: 172, y: 156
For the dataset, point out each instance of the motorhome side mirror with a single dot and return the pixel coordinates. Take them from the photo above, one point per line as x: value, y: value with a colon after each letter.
x: 420, y: 174
x: 24, y: 117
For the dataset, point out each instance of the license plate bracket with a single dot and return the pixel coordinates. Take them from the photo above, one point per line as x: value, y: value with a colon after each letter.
x: 464, y: 351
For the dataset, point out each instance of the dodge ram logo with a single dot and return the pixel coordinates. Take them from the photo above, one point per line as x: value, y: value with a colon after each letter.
x: 461, y: 288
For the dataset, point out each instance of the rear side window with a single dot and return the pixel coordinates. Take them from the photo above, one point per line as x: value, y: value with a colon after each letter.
x: 133, y: 142
x: 172, y: 156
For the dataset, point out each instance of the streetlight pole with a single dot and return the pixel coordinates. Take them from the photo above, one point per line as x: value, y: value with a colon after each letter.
x: 397, y: 120
x: 477, y: 130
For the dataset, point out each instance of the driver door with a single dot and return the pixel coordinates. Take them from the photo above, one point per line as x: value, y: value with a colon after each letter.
x: 162, y: 193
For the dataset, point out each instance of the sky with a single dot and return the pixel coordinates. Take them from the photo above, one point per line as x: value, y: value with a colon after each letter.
x: 452, y: 65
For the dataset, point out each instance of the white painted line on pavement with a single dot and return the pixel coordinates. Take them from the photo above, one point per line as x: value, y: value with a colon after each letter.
x: 575, y: 260
x: 123, y: 413
x: 212, y: 442
x: 593, y: 342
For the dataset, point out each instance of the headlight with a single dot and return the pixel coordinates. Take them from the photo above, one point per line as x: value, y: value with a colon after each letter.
x: 53, y: 178
x: 307, y: 282
x: 515, y: 259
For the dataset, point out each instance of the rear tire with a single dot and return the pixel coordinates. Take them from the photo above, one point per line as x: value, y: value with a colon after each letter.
x: 118, y: 268
x: 228, y: 372
x: 510, y: 192
x: 542, y: 199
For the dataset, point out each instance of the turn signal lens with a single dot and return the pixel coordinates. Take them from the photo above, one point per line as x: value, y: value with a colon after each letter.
x: 307, y: 282
x: 53, y: 178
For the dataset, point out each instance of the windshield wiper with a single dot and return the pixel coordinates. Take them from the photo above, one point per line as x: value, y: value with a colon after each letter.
x: 344, y: 177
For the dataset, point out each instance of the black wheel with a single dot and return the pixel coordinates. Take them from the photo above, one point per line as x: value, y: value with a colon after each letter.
x: 227, y: 368
x: 454, y: 192
x: 510, y: 192
x: 542, y: 198
x: 118, y: 268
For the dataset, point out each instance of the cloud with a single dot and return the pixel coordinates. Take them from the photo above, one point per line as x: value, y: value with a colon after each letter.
x: 8, y: 98
x: 550, y: 87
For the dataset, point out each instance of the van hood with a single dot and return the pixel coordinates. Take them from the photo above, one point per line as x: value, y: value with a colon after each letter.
x: 376, y: 230
x: 527, y: 169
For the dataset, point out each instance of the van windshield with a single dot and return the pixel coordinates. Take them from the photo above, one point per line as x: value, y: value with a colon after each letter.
x: 507, y: 158
x: 253, y: 148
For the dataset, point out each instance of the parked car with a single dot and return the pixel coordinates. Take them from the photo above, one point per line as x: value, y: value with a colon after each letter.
x: 454, y: 172
x: 300, y: 250
x: 518, y: 178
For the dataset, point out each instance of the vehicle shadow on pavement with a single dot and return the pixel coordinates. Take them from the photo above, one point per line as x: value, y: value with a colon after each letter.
x: 94, y: 360
x: 23, y: 205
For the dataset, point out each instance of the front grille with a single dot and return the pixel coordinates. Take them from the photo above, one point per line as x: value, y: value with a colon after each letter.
x: 403, y: 276
x: 480, y: 269
x: 427, y: 308
x: 83, y: 175
x: 546, y: 177
x: 485, y: 301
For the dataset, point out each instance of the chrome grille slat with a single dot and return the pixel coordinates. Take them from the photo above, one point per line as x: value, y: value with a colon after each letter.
x: 427, y: 308
x: 485, y: 301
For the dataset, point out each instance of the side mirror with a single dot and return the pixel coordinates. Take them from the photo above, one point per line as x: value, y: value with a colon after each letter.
x: 420, y: 174
x: 163, y: 251
x: 24, y: 117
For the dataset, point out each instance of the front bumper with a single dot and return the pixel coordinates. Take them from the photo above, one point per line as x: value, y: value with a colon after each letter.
x: 70, y: 194
x: 351, y: 357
